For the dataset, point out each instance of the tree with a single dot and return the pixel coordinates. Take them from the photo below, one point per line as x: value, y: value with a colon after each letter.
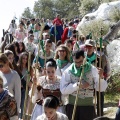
x: 27, y: 13
x: 44, y: 8
x: 67, y: 8
x: 49, y: 8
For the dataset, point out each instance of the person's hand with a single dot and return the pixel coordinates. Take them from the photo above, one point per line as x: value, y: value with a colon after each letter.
x: 100, y: 72
x: 44, y: 71
x: 30, y: 84
x: 36, y: 65
x: 34, y: 79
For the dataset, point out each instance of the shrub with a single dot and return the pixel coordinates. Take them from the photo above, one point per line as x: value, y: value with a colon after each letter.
x: 95, y: 27
x: 114, y: 84
x: 115, y: 14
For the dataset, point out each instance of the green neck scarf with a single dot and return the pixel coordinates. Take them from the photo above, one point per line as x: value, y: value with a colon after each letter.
x: 32, y: 27
x: 77, y: 71
x: 91, y: 59
x: 36, y: 30
x: 61, y: 63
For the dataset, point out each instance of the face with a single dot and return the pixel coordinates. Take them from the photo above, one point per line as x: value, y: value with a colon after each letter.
x: 78, y: 62
x: 90, y: 49
x: 20, y: 46
x: 69, y: 45
x: 50, y: 71
x: 31, y: 39
x: 32, y: 21
x: 37, y: 27
x: 24, y: 59
x: 11, y: 58
x: 47, y: 36
x: 4, y: 66
x: 21, y: 26
x: 62, y: 53
x: 48, y: 46
x: 50, y: 113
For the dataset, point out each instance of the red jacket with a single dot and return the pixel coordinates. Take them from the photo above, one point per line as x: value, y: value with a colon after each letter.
x: 57, y: 21
x: 65, y: 34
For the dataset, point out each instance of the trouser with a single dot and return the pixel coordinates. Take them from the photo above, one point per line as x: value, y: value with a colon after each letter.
x: 82, y: 112
x: 101, y: 103
x: 22, y: 102
x: 11, y: 38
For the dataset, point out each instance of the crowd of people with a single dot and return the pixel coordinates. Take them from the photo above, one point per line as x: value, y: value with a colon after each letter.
x: 61, y: 56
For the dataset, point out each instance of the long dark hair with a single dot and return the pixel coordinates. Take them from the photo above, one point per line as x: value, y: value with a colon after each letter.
x: 12, y: 47
x: 20, y: 60
x: 23, y: 50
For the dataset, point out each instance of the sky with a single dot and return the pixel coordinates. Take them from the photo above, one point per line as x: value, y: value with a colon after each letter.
x: 11, y: 8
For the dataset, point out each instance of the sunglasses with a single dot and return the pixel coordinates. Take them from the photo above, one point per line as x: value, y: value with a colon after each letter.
x: 62, y: 51
x: 1, y: 65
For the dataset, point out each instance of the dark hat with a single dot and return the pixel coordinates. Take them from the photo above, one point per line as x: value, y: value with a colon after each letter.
x: 46, y: 27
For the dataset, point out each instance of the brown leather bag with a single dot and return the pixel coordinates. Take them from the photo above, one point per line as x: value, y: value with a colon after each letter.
x: 56, y: 93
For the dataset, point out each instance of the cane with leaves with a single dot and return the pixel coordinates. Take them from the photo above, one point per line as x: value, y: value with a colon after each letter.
x: 35, y: 71
x: 26, y: 93
x: 80, y: 80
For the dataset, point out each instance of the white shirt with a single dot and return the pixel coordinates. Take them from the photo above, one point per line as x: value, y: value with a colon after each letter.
x: 30, y: 47
x: 59, y: 71
x: 67, y: 87
x: 60, y: 116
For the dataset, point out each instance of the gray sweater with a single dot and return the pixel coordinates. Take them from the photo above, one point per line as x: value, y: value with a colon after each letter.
x: 12, y: 82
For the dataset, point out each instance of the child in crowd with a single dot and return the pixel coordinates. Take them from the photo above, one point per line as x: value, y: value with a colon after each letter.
x: 51, y: 104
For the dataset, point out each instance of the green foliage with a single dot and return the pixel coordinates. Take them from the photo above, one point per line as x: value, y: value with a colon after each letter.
x: 88, y: 6
x: 44, y: 8
x: 67, y: 8
x: 115, y: 14
x: 114, y: 84
x: 49, y: 8
x: 95, y: 27
x: 27, y: 13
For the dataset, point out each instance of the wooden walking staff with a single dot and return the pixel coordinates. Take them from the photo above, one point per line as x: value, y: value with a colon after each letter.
x: 76, y: 100
x: 100, y: 67
x: 26, y: 93
x: 35, y: 71
x: 55, y: 33
x: 96, y: 67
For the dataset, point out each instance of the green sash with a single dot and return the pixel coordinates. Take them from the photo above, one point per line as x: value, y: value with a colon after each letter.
x: 60, y: 63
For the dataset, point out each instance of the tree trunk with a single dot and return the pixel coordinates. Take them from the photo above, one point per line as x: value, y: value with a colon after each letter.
x: 112, y: 33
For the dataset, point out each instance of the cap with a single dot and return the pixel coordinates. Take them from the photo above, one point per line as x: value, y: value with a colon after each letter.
x: 90, y: 42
